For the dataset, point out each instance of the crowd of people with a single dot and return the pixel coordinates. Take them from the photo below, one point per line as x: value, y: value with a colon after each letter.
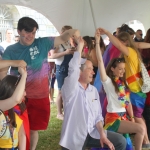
x: 29, y: 84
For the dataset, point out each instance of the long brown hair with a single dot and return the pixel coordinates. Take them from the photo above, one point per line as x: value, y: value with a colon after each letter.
x: 89, y: 42
x: 113, y: 63
x: 7, y: 88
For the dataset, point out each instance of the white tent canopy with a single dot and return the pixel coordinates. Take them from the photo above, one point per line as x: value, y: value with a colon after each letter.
x: 86, y: 15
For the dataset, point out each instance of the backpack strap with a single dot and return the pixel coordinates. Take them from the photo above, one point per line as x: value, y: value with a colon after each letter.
x: 63, y: 47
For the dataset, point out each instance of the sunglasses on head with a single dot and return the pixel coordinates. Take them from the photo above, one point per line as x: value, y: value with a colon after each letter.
x: 118, y: 60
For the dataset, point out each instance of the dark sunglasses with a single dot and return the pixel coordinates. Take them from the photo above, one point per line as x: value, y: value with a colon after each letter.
x: 118, y: 60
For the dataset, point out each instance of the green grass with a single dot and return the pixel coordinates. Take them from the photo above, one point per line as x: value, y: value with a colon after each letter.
x: 49, y: 139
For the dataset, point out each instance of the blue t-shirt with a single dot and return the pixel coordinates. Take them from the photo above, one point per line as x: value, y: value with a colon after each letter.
x: 35, y: 56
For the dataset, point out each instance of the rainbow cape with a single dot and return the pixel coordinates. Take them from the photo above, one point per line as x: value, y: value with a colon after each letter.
x: 25, y: 120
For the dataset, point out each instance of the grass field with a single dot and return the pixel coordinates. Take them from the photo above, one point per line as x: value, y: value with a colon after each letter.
x: 49, y: 139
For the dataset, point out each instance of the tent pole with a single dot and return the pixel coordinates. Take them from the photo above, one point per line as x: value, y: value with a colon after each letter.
x: 92, y: 14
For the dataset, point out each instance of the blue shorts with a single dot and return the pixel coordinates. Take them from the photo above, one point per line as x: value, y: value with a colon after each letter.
x: 60, y: 76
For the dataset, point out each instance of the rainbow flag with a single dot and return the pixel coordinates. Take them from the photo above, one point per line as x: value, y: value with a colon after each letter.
x: 112, y: 123
x: 110, y: 53
x: 25, y: 120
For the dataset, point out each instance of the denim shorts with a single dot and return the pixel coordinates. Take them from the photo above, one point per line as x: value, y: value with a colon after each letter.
x: 60, y: 76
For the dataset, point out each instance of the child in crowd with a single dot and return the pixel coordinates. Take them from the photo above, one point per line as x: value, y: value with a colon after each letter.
x: 114, y: 83
x: 126, y: 46
x: 16, y: 96
x: 14, y: 136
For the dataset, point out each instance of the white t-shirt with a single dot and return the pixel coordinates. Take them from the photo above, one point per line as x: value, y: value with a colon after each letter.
x: 59, y: 61
x: 114, y: 104
x: 5, y: 44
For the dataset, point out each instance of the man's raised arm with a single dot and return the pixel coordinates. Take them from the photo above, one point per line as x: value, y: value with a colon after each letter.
x: 71, y: 81
x: 65, y: 36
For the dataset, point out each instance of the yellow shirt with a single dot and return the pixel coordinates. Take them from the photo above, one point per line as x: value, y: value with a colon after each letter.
x: 132, y: 62
x: 5, y: 140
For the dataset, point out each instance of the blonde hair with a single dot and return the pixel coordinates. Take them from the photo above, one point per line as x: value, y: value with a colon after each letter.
x: 66, y: 27
x: 124, y: 36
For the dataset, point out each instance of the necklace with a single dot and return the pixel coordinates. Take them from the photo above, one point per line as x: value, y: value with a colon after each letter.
x: 123, y: 95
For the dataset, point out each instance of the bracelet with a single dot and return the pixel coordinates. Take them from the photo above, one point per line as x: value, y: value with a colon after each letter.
x: 131, y: 117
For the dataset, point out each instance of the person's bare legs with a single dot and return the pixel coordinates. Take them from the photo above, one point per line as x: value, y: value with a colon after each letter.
x: 59, y: 106
x: 131, y: 127
x: 33, y: 139
x: 142, y: 122
x: 51, y: 94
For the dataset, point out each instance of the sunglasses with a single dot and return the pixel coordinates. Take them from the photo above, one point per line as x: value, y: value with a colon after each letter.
x: 118, y: 60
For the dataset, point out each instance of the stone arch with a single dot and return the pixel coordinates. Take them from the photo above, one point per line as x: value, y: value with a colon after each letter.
x: 9, y: 16
x: 6, y: 20
x: 46, y: 28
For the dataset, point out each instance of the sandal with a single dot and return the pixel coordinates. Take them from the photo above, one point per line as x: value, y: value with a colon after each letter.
x: 52, y: 101
x: 146, y: 145
x: 60, y: 117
